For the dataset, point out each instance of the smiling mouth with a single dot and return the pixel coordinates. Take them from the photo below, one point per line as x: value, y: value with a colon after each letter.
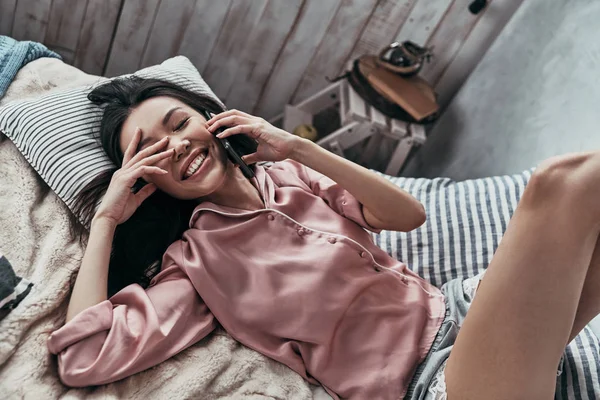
x: 196, y: 164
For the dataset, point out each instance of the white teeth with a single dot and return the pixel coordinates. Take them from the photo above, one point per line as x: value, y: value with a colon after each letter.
x: 195, y: 165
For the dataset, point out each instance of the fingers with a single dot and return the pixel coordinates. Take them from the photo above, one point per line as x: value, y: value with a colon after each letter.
x: 148, y: 151
x: 131, y: 176
x: 128, y: 177
x: 153, y: 158
x: 249, y: 130
x: 147, y: 170
x: 230, y: 121
x: 228, y: 113
x: 145, y: 192
x: 251, y: 158
x: 130, y: 150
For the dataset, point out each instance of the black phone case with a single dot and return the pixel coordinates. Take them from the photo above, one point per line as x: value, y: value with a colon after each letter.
x: 231, y: 153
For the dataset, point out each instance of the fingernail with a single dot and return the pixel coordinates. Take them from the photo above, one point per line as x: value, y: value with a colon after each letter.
x: 220, y: 135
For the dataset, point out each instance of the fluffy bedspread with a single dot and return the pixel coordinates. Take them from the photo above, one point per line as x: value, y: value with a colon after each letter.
x: 34, y: 236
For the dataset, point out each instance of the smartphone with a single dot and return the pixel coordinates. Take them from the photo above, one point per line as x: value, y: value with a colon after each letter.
x: 231, y: 153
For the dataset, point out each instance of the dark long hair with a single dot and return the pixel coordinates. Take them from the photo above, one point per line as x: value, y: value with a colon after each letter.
x: 140, y: 242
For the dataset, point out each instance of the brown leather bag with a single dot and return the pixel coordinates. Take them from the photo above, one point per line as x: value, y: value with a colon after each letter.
x: 407, y: 98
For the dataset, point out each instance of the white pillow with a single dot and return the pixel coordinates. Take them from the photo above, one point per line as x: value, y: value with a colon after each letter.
x: 58, y: 133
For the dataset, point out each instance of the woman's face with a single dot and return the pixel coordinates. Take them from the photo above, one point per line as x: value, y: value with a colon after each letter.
x: 196, y: 149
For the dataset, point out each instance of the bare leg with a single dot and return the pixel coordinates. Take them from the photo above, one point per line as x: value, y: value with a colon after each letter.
x: 589, y: 303
x: 525, y: 309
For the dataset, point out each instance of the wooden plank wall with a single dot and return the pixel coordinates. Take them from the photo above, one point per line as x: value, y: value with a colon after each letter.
x: 257, y: 55
x: 81, y: 31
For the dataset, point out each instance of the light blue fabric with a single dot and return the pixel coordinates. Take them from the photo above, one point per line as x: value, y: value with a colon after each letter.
x: 14, y: 55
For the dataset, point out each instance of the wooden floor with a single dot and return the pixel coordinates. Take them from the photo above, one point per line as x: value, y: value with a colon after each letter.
x: 257, y: 55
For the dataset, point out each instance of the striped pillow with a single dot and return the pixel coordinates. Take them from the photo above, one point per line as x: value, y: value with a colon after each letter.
x: 58, y: 133
x: 465, y: 223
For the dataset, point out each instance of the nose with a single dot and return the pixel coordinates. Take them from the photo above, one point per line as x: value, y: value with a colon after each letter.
x: 181, y: 148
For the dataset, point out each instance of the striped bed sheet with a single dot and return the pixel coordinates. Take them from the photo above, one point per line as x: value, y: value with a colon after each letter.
x: 466, y: 221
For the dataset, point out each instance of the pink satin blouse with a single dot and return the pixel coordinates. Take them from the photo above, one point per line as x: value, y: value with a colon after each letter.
x: 299, y: 281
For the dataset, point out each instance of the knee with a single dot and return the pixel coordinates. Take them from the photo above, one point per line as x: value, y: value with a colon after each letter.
x: 570, y: 178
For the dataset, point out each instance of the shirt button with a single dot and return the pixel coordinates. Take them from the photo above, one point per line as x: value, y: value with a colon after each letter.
x: 270, y: 217
x: 363, y: 254
x: 300, y: 231
x: 331, y: 240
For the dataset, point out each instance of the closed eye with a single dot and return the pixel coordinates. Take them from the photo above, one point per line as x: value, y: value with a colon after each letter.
x: 182, y: 124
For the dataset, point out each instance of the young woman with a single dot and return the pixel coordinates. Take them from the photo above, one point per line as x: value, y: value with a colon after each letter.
x: 283, y: 262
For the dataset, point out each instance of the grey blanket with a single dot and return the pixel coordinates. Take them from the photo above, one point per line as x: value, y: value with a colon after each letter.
x: 13, y: 56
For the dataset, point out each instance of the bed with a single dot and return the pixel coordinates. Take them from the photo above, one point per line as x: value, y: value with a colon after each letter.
x: 34, y: 236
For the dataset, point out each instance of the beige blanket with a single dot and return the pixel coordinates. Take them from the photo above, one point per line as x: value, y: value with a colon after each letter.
x: 34, y: 238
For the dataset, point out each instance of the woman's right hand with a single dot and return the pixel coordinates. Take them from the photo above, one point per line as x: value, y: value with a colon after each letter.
x: 119, y: 202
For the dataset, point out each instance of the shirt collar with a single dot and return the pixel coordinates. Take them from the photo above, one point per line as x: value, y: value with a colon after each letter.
x: 261, y: 181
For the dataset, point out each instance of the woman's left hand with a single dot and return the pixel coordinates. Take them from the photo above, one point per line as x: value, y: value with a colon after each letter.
x: 274, y: 144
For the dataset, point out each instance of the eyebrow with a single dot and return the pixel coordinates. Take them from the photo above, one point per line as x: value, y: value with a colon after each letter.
x: 168, y: 115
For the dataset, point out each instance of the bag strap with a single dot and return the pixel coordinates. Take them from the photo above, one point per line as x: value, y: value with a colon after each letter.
x: 405, y: 59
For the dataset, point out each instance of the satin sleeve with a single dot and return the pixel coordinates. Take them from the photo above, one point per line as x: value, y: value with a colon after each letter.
x: 134, y: 330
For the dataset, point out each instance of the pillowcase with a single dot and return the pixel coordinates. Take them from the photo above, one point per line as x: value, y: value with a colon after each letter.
x: 58, y: 133
x: 465, y: 222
